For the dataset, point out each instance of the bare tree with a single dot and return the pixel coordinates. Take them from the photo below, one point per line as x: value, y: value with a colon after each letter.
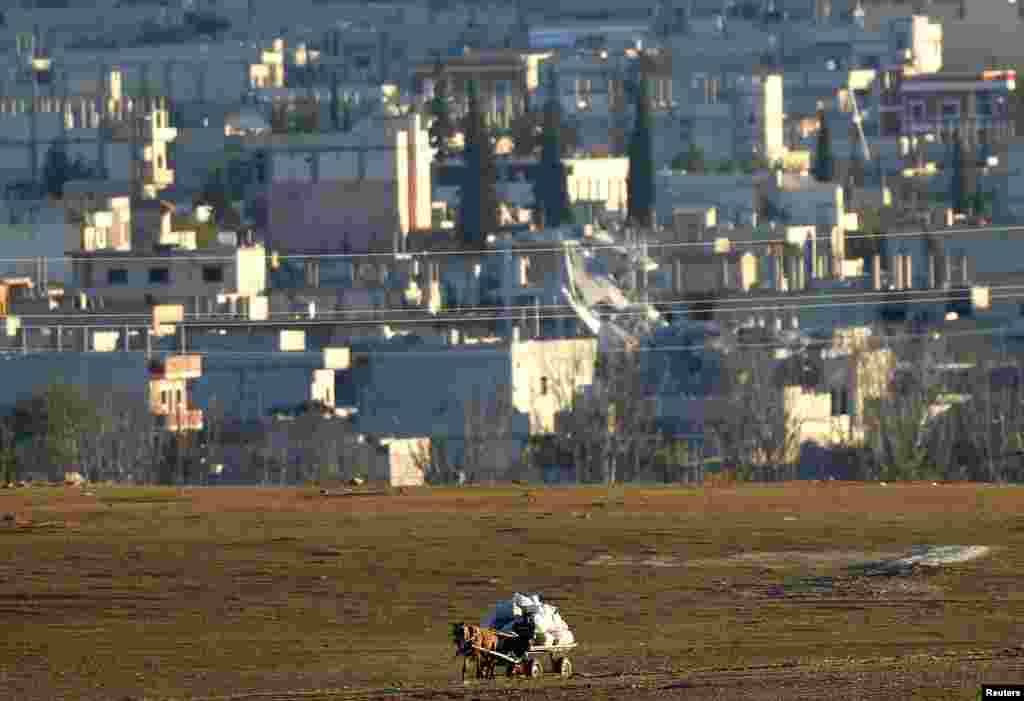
x: 900, y: 419
x: 583, y: 434
x: 678, y: 461
x: 214, y: 421
x: 758, y: 433
x: 488, y: 433
x: 607, y: 426
x: 434, y: 461
x: 631, y: 419
x: 8, y: 455
x: 991, y: 423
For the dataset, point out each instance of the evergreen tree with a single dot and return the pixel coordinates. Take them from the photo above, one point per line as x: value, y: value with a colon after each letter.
x: 640, y: 177
x: 525, y: 138
x: 855, y: 178
x: 335, y: 102
x: 442, y: 128
x: 823, y: 166
x: 346, y: 115
x: 478, y: 194
x: 58, y: 169
x: 959, y: 195
x: 550, y: 189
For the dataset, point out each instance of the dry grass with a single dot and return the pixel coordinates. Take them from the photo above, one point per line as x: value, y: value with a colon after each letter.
x: 166, y: 592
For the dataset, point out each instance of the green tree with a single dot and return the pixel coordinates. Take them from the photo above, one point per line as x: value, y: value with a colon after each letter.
x: 8, y: 455
x: 57, y: 418
x: 442, y: 126
x: 346, y: 115
x: 478, y: 193
x: 69, y: 414
x: 336, y: 103
x: 217, y: 193
x: 692, y: 160
x: 823, y: 169
x: 526, y: 134
x: 960, y: 195
x: 58, y: 169
x: 550, y: 189
x: 640, y: 177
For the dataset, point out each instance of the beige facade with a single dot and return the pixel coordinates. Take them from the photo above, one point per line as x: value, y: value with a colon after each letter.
x: 98, y: 222
x: 856, y: 371
x: 975, y: 33
x: 375, y: 183
x: 504, y: 79
x: 547, y: 375
x: 185, y: 277
x: 599, y: 179
x: 398, y: 462
x: 168, y: 392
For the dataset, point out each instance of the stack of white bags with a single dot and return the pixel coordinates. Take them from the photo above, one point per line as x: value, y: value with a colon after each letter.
x: 549, y: 628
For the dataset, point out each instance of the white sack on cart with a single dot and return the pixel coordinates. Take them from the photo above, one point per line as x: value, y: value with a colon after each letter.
x: 530, y: 603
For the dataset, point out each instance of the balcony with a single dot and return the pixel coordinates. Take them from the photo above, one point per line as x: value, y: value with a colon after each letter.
x: 158, y: 176
x: 181, y: 420
x: 177, y: 367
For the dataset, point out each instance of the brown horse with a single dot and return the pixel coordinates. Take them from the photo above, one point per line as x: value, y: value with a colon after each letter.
x: 468, y: 638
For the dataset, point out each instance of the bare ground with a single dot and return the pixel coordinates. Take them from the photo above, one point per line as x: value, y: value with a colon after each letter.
x: 758, y: 592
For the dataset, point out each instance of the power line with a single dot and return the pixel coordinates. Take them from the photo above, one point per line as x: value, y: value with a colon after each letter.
x: 935, y: 334
x: 409, y: 255
x: 734, y: 302
x: 937, y: 297
x: 944, y: 299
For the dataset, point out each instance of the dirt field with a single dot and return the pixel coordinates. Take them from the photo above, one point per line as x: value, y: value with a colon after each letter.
x: 707, y: 593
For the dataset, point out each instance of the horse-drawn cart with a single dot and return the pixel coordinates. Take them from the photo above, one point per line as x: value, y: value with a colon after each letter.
x: 523, y: 660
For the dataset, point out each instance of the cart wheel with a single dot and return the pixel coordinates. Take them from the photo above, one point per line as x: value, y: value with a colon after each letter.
x: 564, y: 667
x: 534, y: 669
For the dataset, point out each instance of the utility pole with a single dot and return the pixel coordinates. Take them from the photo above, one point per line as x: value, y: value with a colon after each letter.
x: 33, y: 118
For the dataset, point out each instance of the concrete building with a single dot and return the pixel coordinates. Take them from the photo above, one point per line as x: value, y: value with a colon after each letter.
x: 505, y: 79
x: 183, y: 73
x: 731, y: 117
x: 375, y: 182
x: 856, y: 369
x: 31, y: 231
x: 978, y: 106
x: 25, y: 375
x: 119, y: 137
x: 737, y: 198
x: 592, y: 91
x: 499, y: 393
x: 977, y: 34
x: 589, y: 180
x: 589, y: 35
x: 169, y: 392
x: 171, y: 276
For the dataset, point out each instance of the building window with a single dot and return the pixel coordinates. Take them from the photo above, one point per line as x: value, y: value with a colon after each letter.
x: 983, y: 104
x: 917, y: 111
x: 950, y: 110
x: 117, y: 277
x: 163, y: 397
x: 159, y: 276
x: 840, y: 401
x: 213, y: 273
x: 543, y: 386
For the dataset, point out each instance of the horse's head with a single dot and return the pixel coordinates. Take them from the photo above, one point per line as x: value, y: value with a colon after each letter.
x: 461, y: 636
